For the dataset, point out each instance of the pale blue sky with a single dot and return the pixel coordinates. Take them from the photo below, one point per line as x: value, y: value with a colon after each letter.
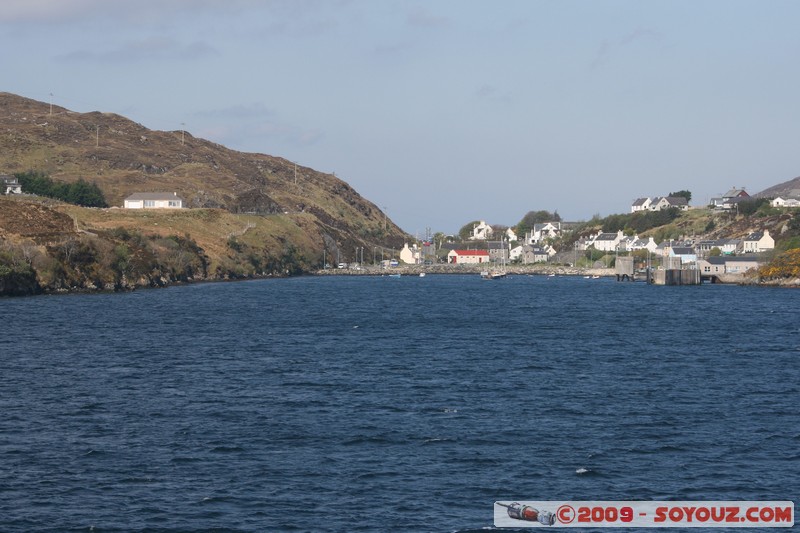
x: 444, y: 111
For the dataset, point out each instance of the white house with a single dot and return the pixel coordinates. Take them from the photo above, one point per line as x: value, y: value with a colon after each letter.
x: 635, y: 243
x: 640, y: 204
x: 667, y: 202
x: 540, y: 232
x: 10, y: 184
x: 481, y: 231
x: 410, y: 256
x: 760, y: 241
x: 606, y: 242
x: 154, y: 200
x: 462, y: 257
x: 785, y: 202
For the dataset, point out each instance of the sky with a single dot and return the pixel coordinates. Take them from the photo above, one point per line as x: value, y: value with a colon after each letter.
x: 442, y: 112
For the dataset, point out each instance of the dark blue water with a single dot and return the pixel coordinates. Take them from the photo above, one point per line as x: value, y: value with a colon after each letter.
x: 385, y: 404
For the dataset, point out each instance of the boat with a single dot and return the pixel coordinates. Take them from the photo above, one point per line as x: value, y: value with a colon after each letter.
x: 422, y: 274
x: 496, y: 274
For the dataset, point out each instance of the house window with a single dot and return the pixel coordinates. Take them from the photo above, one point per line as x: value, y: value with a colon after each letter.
x: 149, y: 203
x: 174, y: 203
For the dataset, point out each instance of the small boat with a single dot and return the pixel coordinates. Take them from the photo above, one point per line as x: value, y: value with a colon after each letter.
x: 492, y: 275
x: 422, y: 274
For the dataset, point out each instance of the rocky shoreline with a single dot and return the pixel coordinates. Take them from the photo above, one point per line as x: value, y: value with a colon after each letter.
x: 415, y: 270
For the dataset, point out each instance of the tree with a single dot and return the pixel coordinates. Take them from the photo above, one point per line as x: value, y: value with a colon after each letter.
x: 466, y: 230
x: 686, y: 194
x: 80, y: 193
x: 535, y: 217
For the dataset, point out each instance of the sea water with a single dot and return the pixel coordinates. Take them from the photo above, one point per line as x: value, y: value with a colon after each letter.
x: 390, y: 404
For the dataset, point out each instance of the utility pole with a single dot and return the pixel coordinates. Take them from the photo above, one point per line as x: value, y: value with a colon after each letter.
x: 51, y: 103
x: 295, y: 173
x: 183, y: 133
x: 97, y: 136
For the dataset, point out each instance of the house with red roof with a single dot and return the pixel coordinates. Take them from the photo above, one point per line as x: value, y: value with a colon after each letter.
x: 468, y: 257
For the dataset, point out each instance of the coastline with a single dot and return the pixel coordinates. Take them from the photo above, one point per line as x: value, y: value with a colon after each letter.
x: 415, y: 270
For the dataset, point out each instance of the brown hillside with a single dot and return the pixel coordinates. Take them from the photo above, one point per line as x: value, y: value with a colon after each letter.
x: 787, y: 188
x: 124, y: 157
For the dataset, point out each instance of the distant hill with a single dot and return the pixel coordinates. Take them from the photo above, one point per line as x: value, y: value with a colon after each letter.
x: 123, y: 157
x: 787, y: 188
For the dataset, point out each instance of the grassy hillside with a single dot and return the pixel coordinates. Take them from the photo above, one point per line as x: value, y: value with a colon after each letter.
x: 51, y: 246
x: 314, y: 210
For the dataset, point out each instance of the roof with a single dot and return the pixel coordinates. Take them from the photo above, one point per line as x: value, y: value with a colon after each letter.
x: 682, y: 250
x: 677, y: 200
x: 721, y: 259
x: 755, y: 236
x: 735, y: 192
x: 640, y: 201
x: 607, y: 237
x: 154, y: 196
x: 471, y: 252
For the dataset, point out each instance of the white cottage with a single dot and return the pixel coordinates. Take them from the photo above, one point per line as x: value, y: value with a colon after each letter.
x: 154, y: 200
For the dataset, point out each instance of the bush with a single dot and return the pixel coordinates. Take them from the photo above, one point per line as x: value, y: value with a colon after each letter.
x: 79, y: 193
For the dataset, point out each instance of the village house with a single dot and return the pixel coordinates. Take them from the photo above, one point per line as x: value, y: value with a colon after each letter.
x: 540, y: 232
x: 759, y: 241
x: 727, y: 265
x: 606, y: 242
x: 668, y: 202
x: 686, y: 254
x: 631, y: 244
x: 154, y: 200
x: 788, y: 201
x: 498, y: 251
x: 481, y: 231
x: 467, y: 257
x: 410, y: 255
x: 725, y: 246
x: 730, y: 198
x: 534, y: 254
x: 640, y: 204
x: 10, y: 185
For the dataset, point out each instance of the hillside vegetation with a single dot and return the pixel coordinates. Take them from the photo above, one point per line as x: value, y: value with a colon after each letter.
x: 251, y: 214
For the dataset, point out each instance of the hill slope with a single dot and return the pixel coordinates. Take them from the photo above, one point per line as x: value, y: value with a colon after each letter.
x: 124, y: 157
x: 787, y: 188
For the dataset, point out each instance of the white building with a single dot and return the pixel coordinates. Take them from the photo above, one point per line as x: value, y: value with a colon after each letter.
x: 481, y: 231
x: 785, y: 202
x: 10, y: 185
x: 154, y: 200
x: 760, y: 241
x: 606, y: 242
x: 410, y: 256
x: 540, y: 232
